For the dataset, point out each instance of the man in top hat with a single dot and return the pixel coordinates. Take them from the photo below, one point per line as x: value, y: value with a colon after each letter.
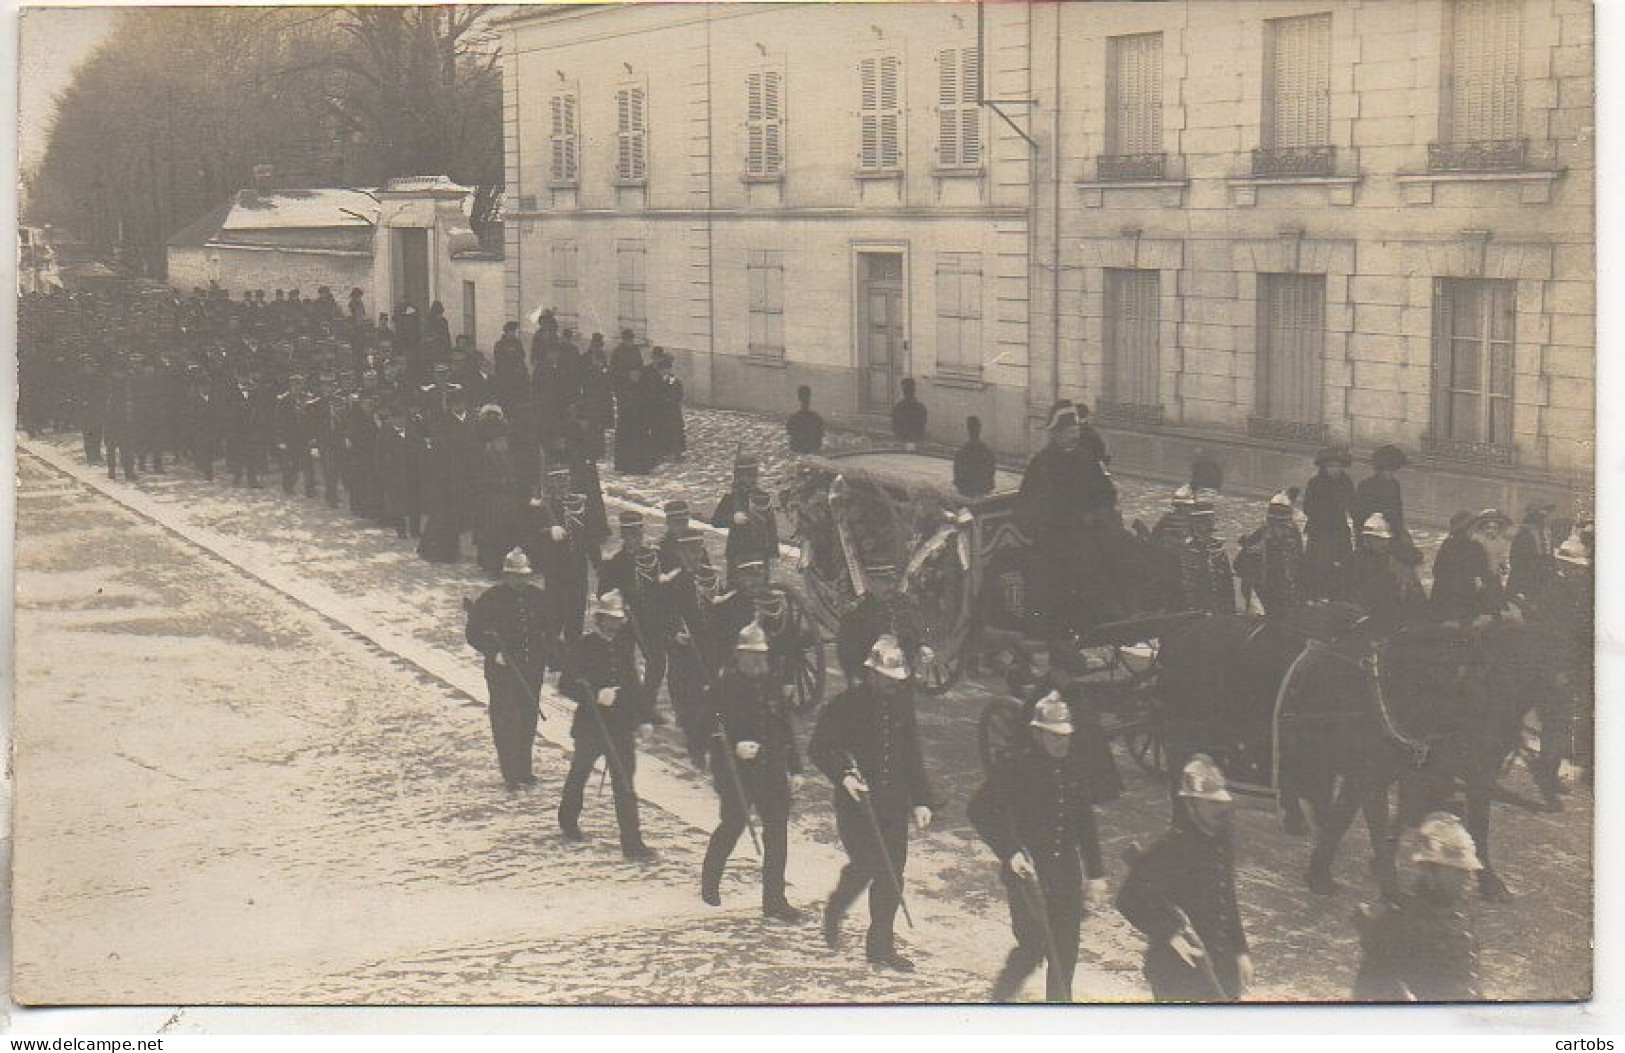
x: 612, y: 708
x: 975, y: 468
x: 1380, y: 582
x: 1270, y: 565
x: 1069, y: 505
x: 805, y: 427
x: 512, y: 625
x: 1532, y: 564
x: 1181, y: 895
x: 753, y: 763
x: 1422, y: 948
x: 868, y: 744
x: 1328, y: 501
x: 753, y: 532
x: 1379, y: 493
x: 908, y: 417
x: 1036, y: 813
x: 451, y: 465
x: 295, y: 435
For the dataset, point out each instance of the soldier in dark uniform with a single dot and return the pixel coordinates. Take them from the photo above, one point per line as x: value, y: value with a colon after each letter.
x: 1270, y: 564
x: 1214, y: 587
x: 361, y: 435
x: 202, y: 419
x: 1380, y: 493
x: 330, y: 413
x: 868, y: 744
x: 1382, y: 584
x: 565, y: 561
x: 242, y: 430
x: 149, y: 419
x: 392, y: 461
x: 633, y: 571
x: 91, y: 386
x: 120, y: 422
x: 975, y: 468
x: 512, y: 625
x: 1422, y: 948
x: 681, y: 550
x: 750, y: 537
x: 805, y: 427
x: 295, y: 410
x: 1181, y: 895
x: 1036, y: 813
x: 1328, y: 501
x: 753, y: 762
x: 611, y: 708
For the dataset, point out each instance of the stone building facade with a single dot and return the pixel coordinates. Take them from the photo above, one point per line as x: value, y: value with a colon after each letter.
x: 1243, y: 227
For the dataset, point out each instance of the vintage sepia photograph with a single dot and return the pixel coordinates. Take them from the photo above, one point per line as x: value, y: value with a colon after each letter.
x: 710, y: 504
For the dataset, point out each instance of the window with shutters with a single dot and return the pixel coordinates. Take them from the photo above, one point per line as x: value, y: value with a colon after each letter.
x: 1291, y: 345
x: 1133, y: 345
x: 764, y: 123
x: 631, y: 135
x: 880, y: 124
x: 959, y: 117
x: 563, y: 141
x: 764, y: 273
x: 959, y: 313
x: 631, y: 287
x: 1473, y: 368
x: 1297, y: 118
x: 1478, y: 113
x: 1133, y: 108
x: 562, y: 278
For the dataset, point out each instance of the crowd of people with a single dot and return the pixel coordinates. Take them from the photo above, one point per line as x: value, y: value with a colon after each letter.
x: 420, y: 436
x: 414, y: 430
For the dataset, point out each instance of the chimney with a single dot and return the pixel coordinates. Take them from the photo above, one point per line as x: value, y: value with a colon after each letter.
x: 262, y: 180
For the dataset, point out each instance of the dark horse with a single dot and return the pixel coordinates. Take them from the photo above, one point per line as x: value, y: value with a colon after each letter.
x: 1315, y: 706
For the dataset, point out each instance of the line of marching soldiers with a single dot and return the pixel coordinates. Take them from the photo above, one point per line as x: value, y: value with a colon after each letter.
x: 660, y: 611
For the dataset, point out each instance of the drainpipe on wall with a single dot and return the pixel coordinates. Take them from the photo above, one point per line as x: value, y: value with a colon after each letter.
x: 1055, y: 234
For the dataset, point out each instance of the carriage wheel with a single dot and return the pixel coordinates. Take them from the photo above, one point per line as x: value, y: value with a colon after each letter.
x: 1145, y: 746
x: 807, y: 675
x: 807, y: 664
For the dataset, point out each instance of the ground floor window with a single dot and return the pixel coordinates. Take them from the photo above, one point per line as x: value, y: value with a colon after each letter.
x: 1472, y: 360
x: 1291, y: 349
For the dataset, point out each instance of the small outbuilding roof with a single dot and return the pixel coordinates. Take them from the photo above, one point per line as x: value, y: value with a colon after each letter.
x: 302, y: 209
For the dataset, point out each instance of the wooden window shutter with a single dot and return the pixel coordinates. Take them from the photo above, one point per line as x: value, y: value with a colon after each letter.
x: 1297, y: 82
x: 970, y: 111
x: 773, y: 122
x: 869, y: 110
x: 948, y: 107
x: 891, y: 119
x: 755, y: 126
x: 1443, y: 308
x: 1134, y: 95
x: 1482, y: 78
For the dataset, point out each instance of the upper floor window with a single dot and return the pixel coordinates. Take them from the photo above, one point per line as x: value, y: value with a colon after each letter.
x: 1478, y: 108
x: 1297, y: 117
x: 1133, y: 108
x: 880, y: 83
x: 631, y: 134
x: 563, y: 141
x: 959, y: 115
x: 764, y: 123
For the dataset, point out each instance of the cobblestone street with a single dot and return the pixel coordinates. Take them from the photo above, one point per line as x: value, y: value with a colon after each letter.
x: 302, y: 804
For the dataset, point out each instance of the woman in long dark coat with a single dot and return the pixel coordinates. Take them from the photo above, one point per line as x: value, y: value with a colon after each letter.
x: 1329, y: 536
x: 666, y: 439
x: 632, y: 414
x: 497, y: 504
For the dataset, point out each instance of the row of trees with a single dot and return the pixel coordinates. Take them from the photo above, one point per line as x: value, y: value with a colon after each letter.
x: 172, y: 112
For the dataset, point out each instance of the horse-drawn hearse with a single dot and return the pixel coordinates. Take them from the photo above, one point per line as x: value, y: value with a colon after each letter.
x: 954, y: 573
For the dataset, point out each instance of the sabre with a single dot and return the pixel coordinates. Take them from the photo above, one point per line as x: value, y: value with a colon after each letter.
x: 880, y: 842
x: 1033, y: 891
x: 721, y: 735
x: 1187, y: 930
